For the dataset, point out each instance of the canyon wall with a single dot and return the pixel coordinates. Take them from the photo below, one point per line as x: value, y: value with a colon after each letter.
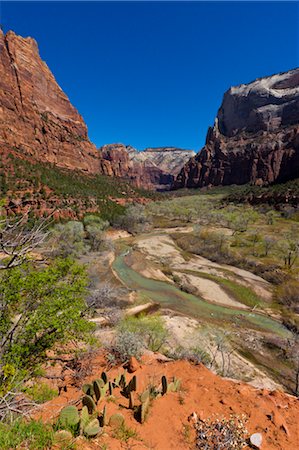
x: 255, y: 138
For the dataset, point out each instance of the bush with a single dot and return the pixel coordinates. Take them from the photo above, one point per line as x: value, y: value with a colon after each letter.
x: 288, y: 294
x: 40, y: 392
x: 150, y: 330
x: 135, y: 220
x: 31, y: 435
x: 67, y: 239
x: 126, y: 345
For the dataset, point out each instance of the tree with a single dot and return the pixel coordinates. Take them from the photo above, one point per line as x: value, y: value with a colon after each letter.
x: 16, y: 241
x: 40, y: 309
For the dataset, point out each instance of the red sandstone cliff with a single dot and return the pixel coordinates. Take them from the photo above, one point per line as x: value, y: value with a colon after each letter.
x: 36, y: 117
x: 38, y: 121
x: 255, y: 138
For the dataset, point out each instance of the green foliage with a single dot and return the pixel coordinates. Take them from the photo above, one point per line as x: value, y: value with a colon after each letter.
x: 41, y: 392
x: 149, y: 329
x: 32, y: 435
x: 124, y: 433
x: 67, y: 239
x: 70, y: 420
x: 126, y: 345
x: 47, y: 307
x: 135, y: 220
x: 69, y: 187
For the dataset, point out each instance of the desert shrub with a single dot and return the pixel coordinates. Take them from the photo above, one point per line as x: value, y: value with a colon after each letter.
x: 94, y: 227
x: 126, y: 344
x: 288, y: 294
x: 194, y: 354
x: 109, y: 299
x: 135, y: 220
x: 31, y: 435
x: 107, y: 295
x: 67, y: 239
x: 150, y: 330
x: 40, y: 392
x: 221, y: 433
x: 91, y: 219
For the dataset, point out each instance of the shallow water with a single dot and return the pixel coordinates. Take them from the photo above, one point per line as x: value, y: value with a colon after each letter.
x: 169, y: 296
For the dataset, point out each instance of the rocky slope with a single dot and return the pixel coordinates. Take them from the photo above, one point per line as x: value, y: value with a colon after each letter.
x: 255, y: 138
x: 38, y: 121
x: 152, y: 168
x: 169, y: 423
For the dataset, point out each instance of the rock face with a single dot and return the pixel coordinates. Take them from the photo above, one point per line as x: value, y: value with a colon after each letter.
x: 36, y: 117
x: 151, y: 168
x: 255, y: 138
x: 37, y: 121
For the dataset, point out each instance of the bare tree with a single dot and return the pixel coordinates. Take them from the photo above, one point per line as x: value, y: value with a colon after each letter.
x: 16, y: 241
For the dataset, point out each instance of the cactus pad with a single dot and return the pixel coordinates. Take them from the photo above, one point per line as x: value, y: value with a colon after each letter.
x: 69, y: 416
x: 89, y: 402
x: 92, y: 428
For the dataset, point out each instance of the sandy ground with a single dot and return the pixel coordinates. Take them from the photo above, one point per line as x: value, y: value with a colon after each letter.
x: 209, y: 290
x: 161, y: 248
x: 187, y: 333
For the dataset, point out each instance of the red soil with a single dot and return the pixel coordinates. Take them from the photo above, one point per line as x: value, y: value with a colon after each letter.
x: 273, y: 414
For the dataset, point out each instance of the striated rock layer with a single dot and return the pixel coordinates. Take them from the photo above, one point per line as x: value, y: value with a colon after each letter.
x: 38, y: 121
x: 151, y: 168
x: 255, y: 138
x: 36, y: 117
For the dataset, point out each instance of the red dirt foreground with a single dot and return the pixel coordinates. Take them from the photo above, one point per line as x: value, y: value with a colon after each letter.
x: 168, y: 426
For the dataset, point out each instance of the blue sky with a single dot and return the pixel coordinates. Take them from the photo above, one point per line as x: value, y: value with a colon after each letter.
x: 153, y: 74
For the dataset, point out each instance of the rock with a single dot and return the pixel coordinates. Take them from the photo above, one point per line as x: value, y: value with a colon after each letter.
x: 36, y: 117
x: 151, y: 168
x: 255, y: 138
x: 278, y: 420
x: 38, y: 120
x: 256, y: 440
x: 132, y: 365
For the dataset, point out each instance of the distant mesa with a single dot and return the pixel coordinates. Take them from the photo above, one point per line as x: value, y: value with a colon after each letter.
x: 255, y: 138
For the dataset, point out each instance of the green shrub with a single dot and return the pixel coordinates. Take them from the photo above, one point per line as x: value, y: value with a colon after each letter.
x: 150, y: 330
x: 31, y: 435
x: 40, y: 392
x: 67, y: 239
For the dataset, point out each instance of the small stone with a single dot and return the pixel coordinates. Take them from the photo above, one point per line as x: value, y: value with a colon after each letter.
x: 256, y: 440
x: 132, y: 365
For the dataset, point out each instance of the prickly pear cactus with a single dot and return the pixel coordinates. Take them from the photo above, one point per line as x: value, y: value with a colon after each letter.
x: 84, y: 418
x: 69, y: 416
x: 116, y: 420
x: 97, y: 390
x: 87, y: 389
x: 92, y: 428
x: 131, y: 400
x: 144, y: 408
x: 88, y: 401
x: 104, y: 377
x: 104, y: 416
x: 164, y: 385
x: 145, y: 396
